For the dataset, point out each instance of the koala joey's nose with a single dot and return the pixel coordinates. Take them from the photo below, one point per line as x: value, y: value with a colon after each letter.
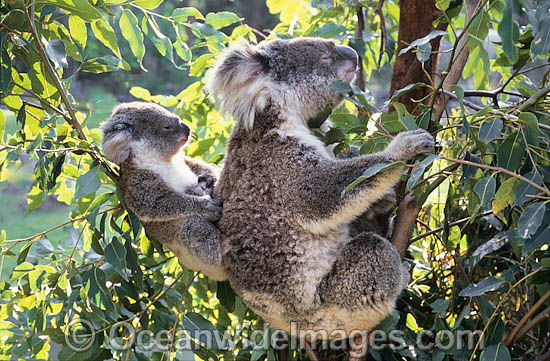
x: 185, y: 129
x: 348, y: 53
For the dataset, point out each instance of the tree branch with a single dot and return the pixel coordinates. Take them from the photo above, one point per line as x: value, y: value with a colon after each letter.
x: 516, y: 332
x: 360, y: 77
x: 406, y: 217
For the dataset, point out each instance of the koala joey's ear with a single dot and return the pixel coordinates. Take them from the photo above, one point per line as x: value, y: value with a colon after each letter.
x: 240, y: 82
x: 116, y: 139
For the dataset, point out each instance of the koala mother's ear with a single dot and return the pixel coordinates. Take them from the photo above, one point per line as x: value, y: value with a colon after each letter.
x: 116, y: 138
x: 240, y: 82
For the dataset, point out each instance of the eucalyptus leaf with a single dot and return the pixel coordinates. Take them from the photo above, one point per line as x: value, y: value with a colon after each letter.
x: 490, y: 130
x: 487, y: 285
x: 531, y: 219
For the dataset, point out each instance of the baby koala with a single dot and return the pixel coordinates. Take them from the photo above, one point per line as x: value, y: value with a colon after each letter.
x: 170, y: 193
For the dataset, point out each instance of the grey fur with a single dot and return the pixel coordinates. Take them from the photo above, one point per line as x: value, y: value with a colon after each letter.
x: 289, y: 242
x: 169, y: 193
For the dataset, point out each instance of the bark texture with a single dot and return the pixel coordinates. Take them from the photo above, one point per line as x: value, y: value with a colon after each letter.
x: 416, y: 19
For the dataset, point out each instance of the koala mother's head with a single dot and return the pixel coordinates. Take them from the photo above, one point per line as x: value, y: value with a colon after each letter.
x: 143, y: 129
x: 294, y: 76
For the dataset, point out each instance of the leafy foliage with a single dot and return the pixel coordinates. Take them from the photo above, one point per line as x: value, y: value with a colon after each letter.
x: 480, y: 251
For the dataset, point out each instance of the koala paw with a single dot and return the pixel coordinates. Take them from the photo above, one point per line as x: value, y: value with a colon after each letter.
x: 212, y: 211
x: 206, y: 180
x: 406, y: 145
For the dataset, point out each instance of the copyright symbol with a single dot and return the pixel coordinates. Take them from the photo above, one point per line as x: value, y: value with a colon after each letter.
x: 79, y: 335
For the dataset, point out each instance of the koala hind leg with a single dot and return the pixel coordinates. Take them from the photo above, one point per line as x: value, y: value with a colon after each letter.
x: 204, y: 239
x: 362, y: 286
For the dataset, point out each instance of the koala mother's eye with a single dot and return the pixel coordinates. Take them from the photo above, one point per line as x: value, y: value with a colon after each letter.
x: 167, y: 127
x: 325, y: 59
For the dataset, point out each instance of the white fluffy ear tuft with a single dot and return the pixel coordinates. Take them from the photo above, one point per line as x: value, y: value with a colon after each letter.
x: 117, y: 148
x: 116, y: 139
x: 240, y: 83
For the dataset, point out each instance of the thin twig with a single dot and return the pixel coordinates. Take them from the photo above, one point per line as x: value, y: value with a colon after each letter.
x: 452, y: 224
x: 310, y: 352
x: 383, y: 36
x: 514, y: 334
x: 498, y: 169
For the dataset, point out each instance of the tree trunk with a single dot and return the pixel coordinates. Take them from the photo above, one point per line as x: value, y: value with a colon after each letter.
x: 416, y: 19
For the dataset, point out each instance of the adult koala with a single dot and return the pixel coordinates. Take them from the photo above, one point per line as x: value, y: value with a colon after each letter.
x: 286, y: 227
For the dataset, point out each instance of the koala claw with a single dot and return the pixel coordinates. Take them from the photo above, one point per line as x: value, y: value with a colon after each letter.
x: 212, y: 211
x: 410, y: 143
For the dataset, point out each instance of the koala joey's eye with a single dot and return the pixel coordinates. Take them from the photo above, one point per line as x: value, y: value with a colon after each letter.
x: 325, y: 59
x: 167, y: 127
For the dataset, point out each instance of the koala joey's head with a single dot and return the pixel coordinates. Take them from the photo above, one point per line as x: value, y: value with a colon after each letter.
x: 294, y: 76
x: 143, y: 128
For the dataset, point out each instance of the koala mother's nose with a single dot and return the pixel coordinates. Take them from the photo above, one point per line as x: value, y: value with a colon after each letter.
x: 347, y: 52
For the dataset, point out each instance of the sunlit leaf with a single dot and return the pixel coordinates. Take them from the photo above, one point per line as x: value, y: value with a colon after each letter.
x: 221, y: 19
x: 78, y: 30
x: 130, y: 30
x: 149, y: 4
x: 183, y: 14
x: 80, y: 8
x: 104, y: 33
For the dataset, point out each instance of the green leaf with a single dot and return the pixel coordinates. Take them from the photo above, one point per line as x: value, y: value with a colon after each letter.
x: 485, y: 189
x: 162, y: 42
x: 104, y: 64
x: 77, y: 27
x: 226, y: 295
x: 487, y: 285
x: 115, y: 254
x: 24, y: 252
x: 370, y: 172
x: 130, y: 30
x: 149, y: 4
x: 505, y: 195
x: 508, y: 30
x: 490, y: 130
x: 526, y: 191
x: 541, y: 42
x: 423, y: 41
x: 530, y: 126
x: 531, y: 219
x: 200, y: 147
x: 221, y: 19
x: 183, y: 14
x: 87, y: 183
x: 341, y: 87
x: 440, y: 306
x: 404, y: 90
x: 497, y: 352
x: 42, y: 247
x: 419, y: 170
x: 478, y: 30
x: 104, y: 33
x: 56, y: 52
x: 510, y: 153
x: 405, y: 117
x: 329, y: 30
x: 195, y: 323
x: 80, y: 8
x: 5, y: 64
x: 198, y: 66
